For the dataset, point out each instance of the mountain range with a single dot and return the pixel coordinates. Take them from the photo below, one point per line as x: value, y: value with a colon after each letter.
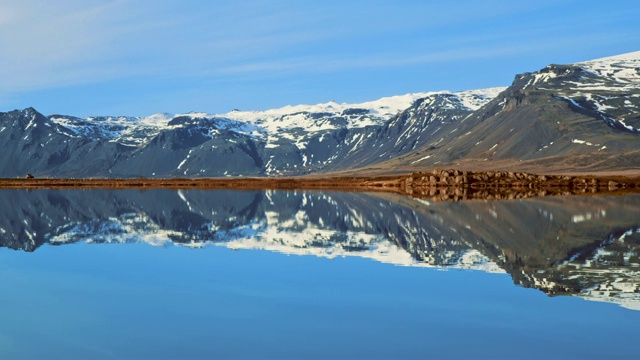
x: 574, y: 118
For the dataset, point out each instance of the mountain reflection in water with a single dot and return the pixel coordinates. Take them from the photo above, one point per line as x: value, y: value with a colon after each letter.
x: 583, y: 246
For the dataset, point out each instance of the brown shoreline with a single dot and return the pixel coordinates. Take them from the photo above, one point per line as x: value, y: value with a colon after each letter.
x: 438, y: 184
x: 343, y: 183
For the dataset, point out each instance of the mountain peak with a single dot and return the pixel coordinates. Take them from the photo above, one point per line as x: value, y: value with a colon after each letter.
x: 631, y: 56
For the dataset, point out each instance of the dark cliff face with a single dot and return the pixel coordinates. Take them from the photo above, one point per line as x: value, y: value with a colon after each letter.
x: 586, y: 246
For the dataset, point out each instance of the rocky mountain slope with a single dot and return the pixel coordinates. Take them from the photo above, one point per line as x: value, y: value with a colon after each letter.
x: 582, y: 117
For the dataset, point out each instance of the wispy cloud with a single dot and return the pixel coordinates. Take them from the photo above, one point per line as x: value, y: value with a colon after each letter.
x: 47, y: 45
x: 468, y: 54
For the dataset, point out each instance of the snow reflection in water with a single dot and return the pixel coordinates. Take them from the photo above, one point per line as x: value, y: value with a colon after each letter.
x: 583, y: 246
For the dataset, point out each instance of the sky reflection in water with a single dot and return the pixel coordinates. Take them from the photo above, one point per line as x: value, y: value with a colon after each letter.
x: 135, y: 300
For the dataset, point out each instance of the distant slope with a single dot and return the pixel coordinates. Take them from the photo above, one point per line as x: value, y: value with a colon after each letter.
x: 289, y: 141
x: 580, y: 117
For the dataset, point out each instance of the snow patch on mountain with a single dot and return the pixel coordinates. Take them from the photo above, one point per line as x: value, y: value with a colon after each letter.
x: 475, y: 99
x: 377, y: 111
x: 611, y: 272
x: 606, y: 87
x: 623, y: 69
x: 295, y: 234
x: 123, y: 129
x: 290, y: 123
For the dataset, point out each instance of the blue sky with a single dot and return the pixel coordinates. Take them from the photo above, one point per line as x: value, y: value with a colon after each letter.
x: 139, y: 57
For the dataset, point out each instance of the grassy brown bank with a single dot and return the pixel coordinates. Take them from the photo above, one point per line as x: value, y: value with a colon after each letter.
x: 342, y: 183
x: 437, y: 184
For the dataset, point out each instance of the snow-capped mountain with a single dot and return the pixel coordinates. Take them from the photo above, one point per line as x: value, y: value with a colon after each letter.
x: 581, y: 117
x: 271, y: 125
x: 608, y: 87
x: 288, y: 141
x: 132, y: 131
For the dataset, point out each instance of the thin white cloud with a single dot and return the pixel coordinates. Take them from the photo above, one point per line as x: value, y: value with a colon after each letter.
x: 372, y: 61
x: 86, y: 42
x: 48, y: 44
x: 44, y: 46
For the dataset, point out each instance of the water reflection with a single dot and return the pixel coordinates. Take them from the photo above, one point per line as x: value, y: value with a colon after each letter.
x: 583, y: 246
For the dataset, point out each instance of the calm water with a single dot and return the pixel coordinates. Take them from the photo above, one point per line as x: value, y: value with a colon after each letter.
x: 285, y: 274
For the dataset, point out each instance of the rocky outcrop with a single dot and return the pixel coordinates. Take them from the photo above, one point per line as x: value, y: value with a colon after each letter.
x: 454, y: 185
x: 484, y: 179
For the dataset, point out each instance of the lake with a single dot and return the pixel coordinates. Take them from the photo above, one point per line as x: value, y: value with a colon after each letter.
x: 121, y: 274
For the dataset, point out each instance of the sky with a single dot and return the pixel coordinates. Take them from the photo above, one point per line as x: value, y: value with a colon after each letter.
x: 140, y: 57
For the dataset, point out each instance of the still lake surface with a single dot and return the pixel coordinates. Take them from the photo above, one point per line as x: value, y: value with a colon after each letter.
x: 308, y: 274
